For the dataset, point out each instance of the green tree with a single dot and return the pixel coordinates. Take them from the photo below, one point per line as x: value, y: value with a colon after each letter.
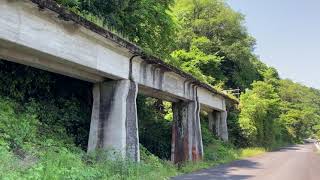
x: 227, y: 38
x: 260, y: 108
x: 300, y: 106
x: 196, y: 62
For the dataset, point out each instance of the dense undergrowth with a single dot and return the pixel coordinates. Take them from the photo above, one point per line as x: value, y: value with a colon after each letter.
x: 25, y: 153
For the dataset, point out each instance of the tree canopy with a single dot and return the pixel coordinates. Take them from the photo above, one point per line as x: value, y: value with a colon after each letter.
x: 217, y: 30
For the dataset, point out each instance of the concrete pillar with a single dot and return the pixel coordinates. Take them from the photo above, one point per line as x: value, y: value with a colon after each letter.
x: 114, y: 118
x: 211, y: 121
x: 224, y: 126
x: 217, y: 116
x: 218, y: 124
x: 186, y: 132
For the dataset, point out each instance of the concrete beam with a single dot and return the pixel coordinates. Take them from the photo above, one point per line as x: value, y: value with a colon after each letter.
x: 156, y: 79
x: 22, y: 55
x: 167, y: 85
x: 211, y: 101
x: 114, y: 118
x: 43, y: 34
x: 186, y: 132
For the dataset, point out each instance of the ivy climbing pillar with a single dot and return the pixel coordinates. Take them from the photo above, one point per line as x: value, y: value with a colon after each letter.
x: 186, y: 132
x: 114, y: 118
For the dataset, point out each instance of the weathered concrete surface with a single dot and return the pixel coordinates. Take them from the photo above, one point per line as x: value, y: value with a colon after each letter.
x: 45, y: 40
x: 224, y: 126
x: 210, y: 102
x: 186, y: 132
x: 218, y: 124
x: 299, y: 162
x: 160, y: 83
x: 114, y: 118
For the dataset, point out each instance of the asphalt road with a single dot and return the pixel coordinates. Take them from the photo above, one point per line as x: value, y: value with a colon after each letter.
x: 300, y: 162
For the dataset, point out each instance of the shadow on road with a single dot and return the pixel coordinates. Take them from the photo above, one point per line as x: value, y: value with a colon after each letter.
x: 289, y: 148
x: 222, y: 172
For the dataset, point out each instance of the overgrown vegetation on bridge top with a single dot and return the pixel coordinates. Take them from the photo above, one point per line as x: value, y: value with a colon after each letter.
x: 45, y: 118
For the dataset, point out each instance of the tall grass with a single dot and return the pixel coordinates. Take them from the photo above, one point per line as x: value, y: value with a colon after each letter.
x: 62, y: 163
x: 26, y: 154
x: 251, y: 151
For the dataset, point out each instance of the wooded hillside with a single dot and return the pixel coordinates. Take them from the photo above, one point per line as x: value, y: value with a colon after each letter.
x: 45, y: 118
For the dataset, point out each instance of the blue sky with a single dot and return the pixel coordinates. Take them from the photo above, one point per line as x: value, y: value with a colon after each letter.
x: 287, y: 34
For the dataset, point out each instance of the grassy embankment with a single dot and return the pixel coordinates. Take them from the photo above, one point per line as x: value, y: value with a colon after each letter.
x: 27, y: 153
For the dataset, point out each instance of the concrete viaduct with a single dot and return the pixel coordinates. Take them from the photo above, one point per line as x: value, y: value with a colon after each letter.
x: 42, y: 34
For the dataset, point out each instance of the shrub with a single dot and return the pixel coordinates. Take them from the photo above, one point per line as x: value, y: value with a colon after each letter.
x: 18, y: 126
